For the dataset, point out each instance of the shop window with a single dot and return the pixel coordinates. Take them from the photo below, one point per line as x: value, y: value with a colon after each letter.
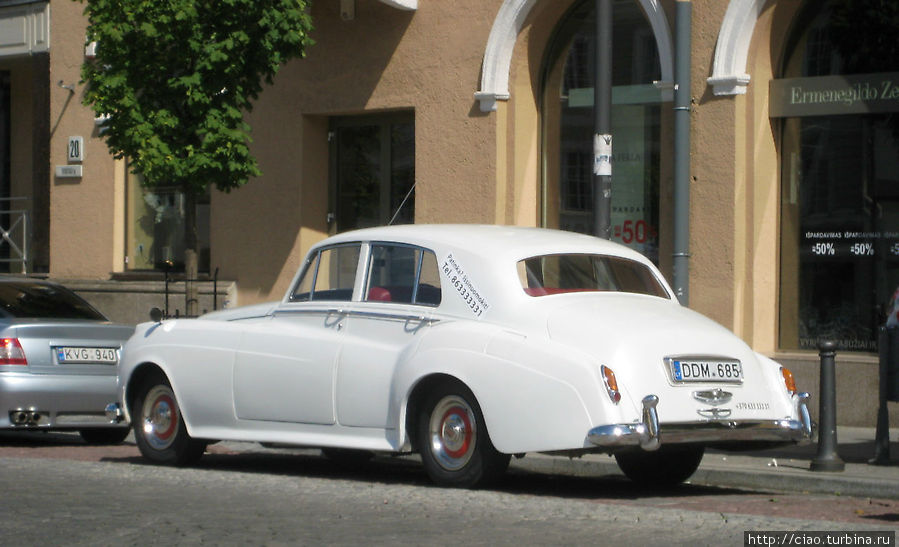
x: 839, y: 249
x: 155, y: 228
x: 372, y: 171
x: 568, y: 127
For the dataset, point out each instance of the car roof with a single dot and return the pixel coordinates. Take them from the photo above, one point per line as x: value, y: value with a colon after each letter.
x: 496, y: 242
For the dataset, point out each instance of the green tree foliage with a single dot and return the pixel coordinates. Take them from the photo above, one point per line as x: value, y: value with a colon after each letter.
x: 175, y: 78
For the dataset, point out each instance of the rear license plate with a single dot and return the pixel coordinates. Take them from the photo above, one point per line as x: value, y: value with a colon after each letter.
x: 76, y: 355
x: 705, y: 370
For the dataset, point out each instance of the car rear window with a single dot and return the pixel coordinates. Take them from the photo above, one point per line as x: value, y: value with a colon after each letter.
x: 565, y: 273
x: 45, y: 301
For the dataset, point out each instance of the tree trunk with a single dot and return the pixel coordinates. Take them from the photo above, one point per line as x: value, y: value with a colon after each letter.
x: 191, y: 265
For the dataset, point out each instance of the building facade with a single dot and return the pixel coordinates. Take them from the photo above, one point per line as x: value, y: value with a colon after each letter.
x: 481, y: 111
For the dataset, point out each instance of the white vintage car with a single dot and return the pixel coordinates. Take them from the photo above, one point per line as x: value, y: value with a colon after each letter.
x: 466, y: 344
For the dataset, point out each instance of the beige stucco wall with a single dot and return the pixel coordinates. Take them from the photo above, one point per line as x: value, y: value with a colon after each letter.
x: 712, y: 176
x: 759, y: 203
x: 83, y: 212
x: 470, y: 166
x: 384, y: 59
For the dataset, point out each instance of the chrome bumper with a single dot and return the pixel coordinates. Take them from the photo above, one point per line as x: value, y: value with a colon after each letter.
x: 648, y: 435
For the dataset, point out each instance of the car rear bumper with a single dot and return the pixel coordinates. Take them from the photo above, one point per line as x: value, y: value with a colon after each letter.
x: 51, y: 401
x: 649, y: 434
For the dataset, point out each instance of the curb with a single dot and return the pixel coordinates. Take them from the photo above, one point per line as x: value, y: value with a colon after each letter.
x: 791, y: 477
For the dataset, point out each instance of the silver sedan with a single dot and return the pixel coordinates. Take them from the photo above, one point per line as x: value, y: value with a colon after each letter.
x: 58, y: 359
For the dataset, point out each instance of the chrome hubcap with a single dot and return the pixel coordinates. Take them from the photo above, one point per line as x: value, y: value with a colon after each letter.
x: 159, y: 416
x: 452, y: 431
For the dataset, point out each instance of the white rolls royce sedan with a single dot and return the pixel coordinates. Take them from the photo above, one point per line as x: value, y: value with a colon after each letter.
x: 466, y: 344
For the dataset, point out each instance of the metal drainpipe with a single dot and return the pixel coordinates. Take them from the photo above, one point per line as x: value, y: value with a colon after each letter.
x: 602, y: 122
x: 682, y: 100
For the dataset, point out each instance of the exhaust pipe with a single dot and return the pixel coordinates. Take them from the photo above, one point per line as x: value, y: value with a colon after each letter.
x: 25, y: 417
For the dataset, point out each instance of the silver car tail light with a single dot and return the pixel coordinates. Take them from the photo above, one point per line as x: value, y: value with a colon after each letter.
x: 11, y: 352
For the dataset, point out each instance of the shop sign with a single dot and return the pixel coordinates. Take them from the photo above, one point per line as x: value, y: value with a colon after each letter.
x: 834, y: 95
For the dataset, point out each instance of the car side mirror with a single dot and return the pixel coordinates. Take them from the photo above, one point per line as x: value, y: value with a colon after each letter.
x: 156, y: 315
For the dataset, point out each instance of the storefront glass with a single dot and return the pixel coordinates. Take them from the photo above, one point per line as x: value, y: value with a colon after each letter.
x: 839, y: 125
x: 372, y: 170
x: 155, y: 228
x: 568, y: 127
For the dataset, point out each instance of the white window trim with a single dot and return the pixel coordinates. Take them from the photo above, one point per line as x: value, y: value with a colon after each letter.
x: 729, y: 75
x: 507, y: 26
x: 408, y: 5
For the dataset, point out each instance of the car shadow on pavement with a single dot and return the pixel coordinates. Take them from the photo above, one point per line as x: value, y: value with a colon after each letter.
x: 39, y: 438
x: 399, y: 470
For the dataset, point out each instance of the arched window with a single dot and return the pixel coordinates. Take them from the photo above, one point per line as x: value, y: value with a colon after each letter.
x: 839, y: 125
x: 567, y: 107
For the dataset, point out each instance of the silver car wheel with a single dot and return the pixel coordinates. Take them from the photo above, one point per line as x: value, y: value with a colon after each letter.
x: 159, y: 417
x: 452, y: 432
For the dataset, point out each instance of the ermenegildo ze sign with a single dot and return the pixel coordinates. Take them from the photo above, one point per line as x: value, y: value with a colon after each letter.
x: 831, y: 95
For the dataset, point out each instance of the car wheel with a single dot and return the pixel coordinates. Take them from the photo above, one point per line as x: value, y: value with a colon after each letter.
x: 158, y: 427
x: 349, y: 458
x: 104, y: 435
x: 667, y: 466
x: 453, y: 440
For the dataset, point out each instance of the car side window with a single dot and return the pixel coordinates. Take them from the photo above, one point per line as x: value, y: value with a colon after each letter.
x: 428, y: 281
x: 329, y: 275
x: 402, y: 274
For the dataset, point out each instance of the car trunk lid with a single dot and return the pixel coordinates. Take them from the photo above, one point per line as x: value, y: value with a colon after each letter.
x: 634, y: 334
x: 69, y: 346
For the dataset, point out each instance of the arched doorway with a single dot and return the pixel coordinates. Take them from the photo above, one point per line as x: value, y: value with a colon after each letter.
x: 637, y: 121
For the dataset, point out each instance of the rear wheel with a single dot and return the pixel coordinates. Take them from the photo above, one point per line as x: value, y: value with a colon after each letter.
x: 159, y: 430
x: 667, y: 466
x: 104, y: 435
x: 453, y: 440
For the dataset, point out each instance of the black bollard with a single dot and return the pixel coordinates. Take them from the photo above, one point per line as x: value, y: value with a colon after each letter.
x: 827, y: 458
x: 882, y: 433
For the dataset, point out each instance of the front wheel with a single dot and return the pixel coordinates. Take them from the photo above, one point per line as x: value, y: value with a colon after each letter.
x: 667, y: 466
x: 453, y: 440
x: 159, y: 430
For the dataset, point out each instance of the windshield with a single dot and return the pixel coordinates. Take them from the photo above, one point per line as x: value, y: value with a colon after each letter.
x: 555, y: 274
x: 40, y: 300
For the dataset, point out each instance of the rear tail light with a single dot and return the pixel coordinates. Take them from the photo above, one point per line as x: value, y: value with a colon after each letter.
x: 11, y: 352
x: 789, y: 382
x: 608, y: 377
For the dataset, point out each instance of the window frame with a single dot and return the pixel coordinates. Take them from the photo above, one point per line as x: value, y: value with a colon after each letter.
x: 366, y: 283
x: 314, y: 261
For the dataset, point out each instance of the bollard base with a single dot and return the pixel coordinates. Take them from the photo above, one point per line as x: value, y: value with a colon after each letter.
x: 829, y: 465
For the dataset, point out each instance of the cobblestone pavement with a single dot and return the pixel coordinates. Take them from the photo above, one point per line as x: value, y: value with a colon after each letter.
x: 56, y: 490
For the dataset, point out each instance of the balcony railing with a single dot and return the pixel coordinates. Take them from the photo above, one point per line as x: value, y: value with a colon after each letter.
x: 14, y: 233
